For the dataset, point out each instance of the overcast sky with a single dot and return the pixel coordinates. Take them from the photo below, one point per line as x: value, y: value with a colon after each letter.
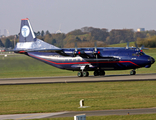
x: 75, y: 14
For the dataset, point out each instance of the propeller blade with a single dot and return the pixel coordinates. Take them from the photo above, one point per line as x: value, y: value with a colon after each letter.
x: 76, y: 46
x: 75, y: 51
x: 127, y: 46
x: 136, y: 45
x: 95, y: 48
x: 142, y: 47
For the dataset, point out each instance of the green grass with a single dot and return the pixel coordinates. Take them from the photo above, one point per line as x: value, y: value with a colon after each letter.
x: 40, y: 98
x: 15, y: 66
x: 123, y: 45
x: 112, y: 117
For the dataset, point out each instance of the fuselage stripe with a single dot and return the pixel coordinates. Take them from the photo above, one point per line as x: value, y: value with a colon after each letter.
x: 82, y: 62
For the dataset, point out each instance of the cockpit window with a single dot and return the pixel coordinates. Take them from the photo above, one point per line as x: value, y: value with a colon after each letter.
x: 141, y: 53
x: 134, y: 54
x: 138, y: 54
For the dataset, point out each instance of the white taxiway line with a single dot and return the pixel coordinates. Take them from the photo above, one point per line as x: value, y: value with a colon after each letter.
x: 29, y: 116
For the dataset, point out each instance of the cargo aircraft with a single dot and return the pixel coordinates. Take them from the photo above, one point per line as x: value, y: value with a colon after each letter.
x: 97, y: 59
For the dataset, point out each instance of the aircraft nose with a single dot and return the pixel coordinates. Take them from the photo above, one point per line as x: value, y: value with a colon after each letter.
x: 152, y: 60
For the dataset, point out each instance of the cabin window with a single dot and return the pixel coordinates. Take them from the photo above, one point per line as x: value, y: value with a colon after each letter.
x: 138, y: 54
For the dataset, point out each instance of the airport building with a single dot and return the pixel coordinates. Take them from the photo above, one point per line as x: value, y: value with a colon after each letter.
x: 140, y: 29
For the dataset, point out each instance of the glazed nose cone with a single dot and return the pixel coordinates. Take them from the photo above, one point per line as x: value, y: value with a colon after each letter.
x: 152, y: 60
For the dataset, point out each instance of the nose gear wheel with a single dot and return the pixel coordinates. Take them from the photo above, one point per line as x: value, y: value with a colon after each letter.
x: 133, y: 72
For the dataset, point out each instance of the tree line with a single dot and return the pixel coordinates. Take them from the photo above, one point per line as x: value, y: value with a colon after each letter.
x: 149, y: 42
x: 86, y: 36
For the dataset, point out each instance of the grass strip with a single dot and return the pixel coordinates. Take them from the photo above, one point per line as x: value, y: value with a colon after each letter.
x: 41, y: 98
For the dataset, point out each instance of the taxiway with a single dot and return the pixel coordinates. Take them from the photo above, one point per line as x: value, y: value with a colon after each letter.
x: 72, y: 114
x: 73, y: 79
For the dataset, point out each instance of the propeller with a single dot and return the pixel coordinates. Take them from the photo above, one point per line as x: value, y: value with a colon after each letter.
x: 82, y: 52
x: 127, y: 46
x: 76, y: 52
x: 96, y: 52
x: 142, y: 47
x: 95, y: 48
x: 136, y: 45
x: 75, y: 46
x: 138, y: 48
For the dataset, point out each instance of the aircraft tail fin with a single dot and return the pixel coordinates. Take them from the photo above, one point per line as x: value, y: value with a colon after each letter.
x: 29, y: 42
x: 26, y: 32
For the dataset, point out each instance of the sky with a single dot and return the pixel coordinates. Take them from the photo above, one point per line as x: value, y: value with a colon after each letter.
x: 75, y: 14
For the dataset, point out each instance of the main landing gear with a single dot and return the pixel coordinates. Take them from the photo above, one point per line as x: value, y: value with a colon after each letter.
x: 99, y: 73
x: 133, y: 72
x: 86, y: 73
x: 83, y: 74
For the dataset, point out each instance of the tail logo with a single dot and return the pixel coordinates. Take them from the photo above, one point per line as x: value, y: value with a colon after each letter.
x: 25, y: 31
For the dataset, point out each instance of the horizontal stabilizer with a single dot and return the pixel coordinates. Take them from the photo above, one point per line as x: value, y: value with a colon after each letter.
x: 34, y: 46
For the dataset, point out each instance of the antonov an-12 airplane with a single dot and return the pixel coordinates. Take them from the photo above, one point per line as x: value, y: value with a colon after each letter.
x: 97, y: 59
